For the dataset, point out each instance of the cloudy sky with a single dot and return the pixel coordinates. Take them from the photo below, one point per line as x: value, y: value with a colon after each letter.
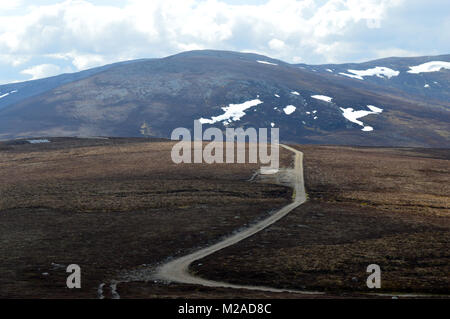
x: 41, y: 38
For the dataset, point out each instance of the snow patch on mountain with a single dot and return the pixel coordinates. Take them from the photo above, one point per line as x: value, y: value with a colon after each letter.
x: 8, y: 93
x: 353, y: 115
x: 289, y: 109
x: 38, y: 141
x: 322, y: 98
x: 378, y: 71
x: 375, y: 109
x: 351, y: 76
x: 233, y: 112
x: 433, y: 66
x: 266, y: 62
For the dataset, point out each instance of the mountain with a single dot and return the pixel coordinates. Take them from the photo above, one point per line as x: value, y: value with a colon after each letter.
x: 399, y: 75
x: 378, y: 103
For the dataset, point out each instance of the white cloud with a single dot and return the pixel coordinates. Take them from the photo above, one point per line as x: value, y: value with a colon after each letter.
x: 81, y: 61
x: 14, y: 60
x: 42, y: 71
x: 171, y: 25
x: 276, y: 44
x: 89, y: 33
x: 10, y: 5
x: 395, y: 52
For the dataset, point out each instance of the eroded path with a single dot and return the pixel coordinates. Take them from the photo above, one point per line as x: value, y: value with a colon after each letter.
x: 177, y: 270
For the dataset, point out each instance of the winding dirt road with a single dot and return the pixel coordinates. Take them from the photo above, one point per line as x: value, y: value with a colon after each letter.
x: 178, y: 270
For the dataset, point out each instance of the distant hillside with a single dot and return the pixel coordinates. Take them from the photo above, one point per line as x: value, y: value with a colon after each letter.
x: 388, y: 102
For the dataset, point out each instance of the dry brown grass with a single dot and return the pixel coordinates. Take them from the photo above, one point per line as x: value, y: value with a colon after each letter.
x: 392, y: 179
x: 110, y: 207
x: 367, y: 205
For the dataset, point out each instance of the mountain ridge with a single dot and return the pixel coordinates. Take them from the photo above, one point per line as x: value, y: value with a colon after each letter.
x: 171, y: 92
